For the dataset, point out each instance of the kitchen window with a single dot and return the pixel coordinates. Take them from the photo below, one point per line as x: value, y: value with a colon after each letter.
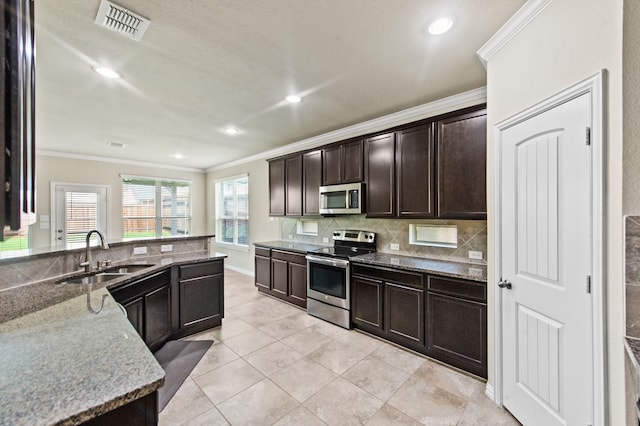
x: 232, y: 212
x: 155, y: 207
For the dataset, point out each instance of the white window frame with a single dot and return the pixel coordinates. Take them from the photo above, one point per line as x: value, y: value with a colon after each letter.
x: 158, y: 217
x: 223, y: 244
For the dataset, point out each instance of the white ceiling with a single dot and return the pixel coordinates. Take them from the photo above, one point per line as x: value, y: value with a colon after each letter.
x: 203, y: 65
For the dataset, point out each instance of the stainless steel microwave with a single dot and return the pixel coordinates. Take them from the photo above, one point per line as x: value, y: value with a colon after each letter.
x: 341, y: 199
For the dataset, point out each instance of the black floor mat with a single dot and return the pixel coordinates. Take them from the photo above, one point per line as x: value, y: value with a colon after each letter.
x: 178, y: 358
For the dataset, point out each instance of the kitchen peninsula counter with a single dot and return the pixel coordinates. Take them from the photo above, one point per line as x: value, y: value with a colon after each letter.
x: 65, y: 365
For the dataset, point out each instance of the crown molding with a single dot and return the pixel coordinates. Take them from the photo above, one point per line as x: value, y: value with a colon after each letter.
x: 48, y: 153
x: 513, y: 26
x: 451, y: 103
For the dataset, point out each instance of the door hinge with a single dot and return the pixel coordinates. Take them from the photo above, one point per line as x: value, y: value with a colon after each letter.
x: 589, y: 284
x: 588, y: 136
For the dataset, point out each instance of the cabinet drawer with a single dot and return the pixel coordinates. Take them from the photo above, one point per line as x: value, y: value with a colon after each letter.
x: 391, y: 275
x: 471, y: 290
x: 265, y: 252
x: 289, y: 257
x: 200, y: 270
x: 141, y: 287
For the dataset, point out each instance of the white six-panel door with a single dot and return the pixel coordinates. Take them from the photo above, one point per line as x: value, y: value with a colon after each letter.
x: 546, y: 257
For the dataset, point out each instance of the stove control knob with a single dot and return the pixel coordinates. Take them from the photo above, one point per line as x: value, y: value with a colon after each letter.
x: 336, y: 234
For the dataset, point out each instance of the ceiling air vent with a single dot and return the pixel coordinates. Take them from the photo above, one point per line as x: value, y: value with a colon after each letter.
x: 123, y: 21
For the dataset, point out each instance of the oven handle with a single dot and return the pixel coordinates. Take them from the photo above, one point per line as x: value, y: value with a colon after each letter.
x: 338, y: 263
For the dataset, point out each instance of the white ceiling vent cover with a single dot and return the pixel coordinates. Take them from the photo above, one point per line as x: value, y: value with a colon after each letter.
x: 123, y: 21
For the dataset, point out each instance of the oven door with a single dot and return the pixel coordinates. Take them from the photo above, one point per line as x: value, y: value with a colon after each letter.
x: 328, y: 280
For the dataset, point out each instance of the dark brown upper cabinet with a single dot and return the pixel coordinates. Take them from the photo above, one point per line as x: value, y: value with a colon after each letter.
x: 462, y: 166
x: 277, y: 185
x: 311, y: 181
x: 293, y: 198
x: 379, y: 166
x: 342, y: 163
x: 415, y: 171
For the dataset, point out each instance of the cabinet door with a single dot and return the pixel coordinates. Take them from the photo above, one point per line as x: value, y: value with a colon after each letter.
x: 380, y: 176
x: 157, y: 316
x: 279, y: 278
x: 462, y: 166
x: 263, y: 272
x: 404, y: 314
x: 298, y: 284
x: 276, y: 187
x: 415, y: 161
x: 332, y: 165
x: 201, y: 300
x: 312, y: 179
x: 293, y: 197
x: 352, y: 162
x: 457, y: 332
x: 366, y: 305
x: 135, y: 314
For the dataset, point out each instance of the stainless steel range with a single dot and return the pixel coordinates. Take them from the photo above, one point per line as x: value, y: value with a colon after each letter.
x: 329, y: 275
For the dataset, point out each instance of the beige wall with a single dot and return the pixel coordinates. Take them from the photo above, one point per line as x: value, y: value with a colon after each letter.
x: 631, y: 102
x: 568, y: 42
x: 261, y: 226
x: 69, y: 170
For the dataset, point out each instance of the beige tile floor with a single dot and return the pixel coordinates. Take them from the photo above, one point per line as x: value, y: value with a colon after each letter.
x: 271, y: 363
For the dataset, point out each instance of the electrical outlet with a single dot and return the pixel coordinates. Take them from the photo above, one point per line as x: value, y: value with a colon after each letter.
x: 166, y: 247
x: 290, y: 236
x: 325, y: 240
x: 139, y: 250
x: 475, y: 255
x: 395, y: 261
x: 394, y: 246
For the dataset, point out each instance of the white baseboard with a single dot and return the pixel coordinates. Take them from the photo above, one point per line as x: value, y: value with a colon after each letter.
x: 488, y: 390
x: 242, y: 271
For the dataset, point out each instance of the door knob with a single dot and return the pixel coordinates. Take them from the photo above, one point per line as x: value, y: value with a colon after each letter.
x: 505, y: 284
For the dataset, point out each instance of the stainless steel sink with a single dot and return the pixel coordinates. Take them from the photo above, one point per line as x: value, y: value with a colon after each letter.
x: 127, y: 269
x: 93, y: 279
x: 108, y: 274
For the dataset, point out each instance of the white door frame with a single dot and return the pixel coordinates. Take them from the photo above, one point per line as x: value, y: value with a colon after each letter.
x: 595, y: 87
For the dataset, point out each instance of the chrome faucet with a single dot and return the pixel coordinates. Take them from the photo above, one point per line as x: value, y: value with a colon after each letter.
x: 87, y: 257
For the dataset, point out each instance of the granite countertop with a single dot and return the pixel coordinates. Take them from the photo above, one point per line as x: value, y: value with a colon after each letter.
x: 291, y: 246
x: 418, y: 264
x: 64, y: 365
x: 29, y: 298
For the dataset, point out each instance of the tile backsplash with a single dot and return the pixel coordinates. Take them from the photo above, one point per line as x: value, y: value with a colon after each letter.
x: 632, y: 275
x: 472, y: 235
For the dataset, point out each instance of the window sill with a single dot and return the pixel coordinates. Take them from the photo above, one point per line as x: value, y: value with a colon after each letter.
x: 235, y: 247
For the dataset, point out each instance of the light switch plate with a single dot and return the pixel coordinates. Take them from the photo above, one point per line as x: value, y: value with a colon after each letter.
x: 325, y: 240
x: 139, y: 250
x: 475, y: 255
x: 166, y: 247
x: 394, y: 246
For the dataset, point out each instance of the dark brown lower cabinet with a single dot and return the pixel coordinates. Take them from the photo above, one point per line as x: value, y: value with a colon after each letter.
x: 389, y: 303
x: 201, y: 297
x: 286, y: 272
x: 457, y: 323
x: 444, y: 318
x: 263, y: 268
x: 174, y: 302
x: 157, y: 315
x: 148, y: 305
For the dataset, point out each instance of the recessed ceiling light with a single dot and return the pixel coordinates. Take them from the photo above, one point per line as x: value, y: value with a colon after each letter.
x: 440, y: 26
x: 106, y: 72
x: 231, y: 131
x: 293, y: 99
x: 178, y: 156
